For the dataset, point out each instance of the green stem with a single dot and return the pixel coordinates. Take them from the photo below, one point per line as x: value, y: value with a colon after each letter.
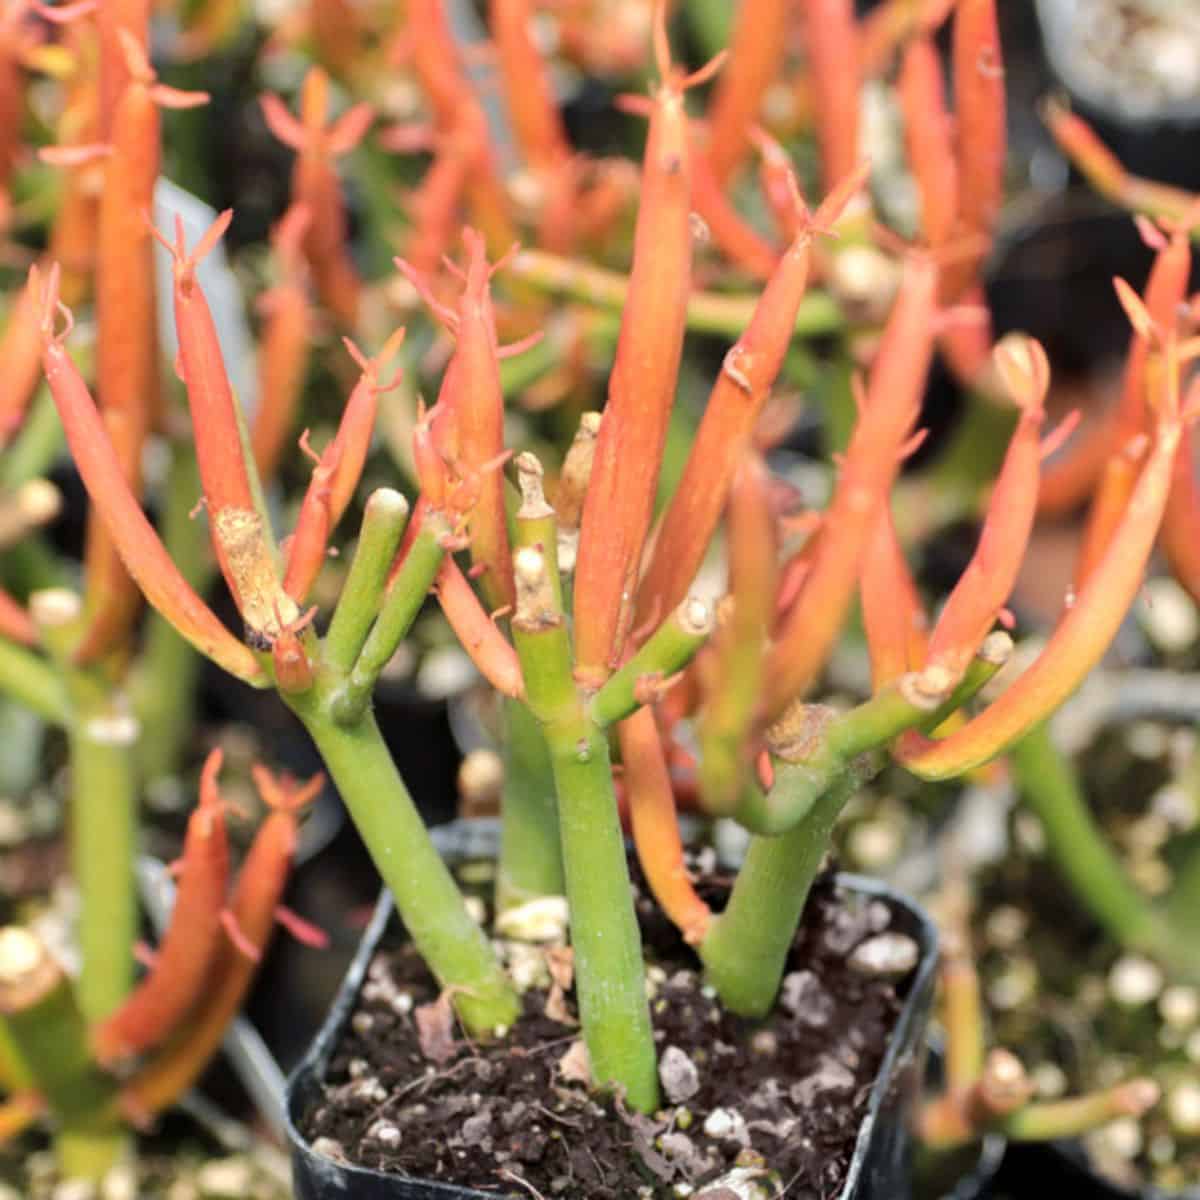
x: 31, y: 566
x: 1049, y: 788
x: 39, y: 443
x: 610, y: 975
x: 609, y: 972
x: 400, y: 608
x: 428, y: 900
x: 168, y: 668
x: 101, y: 739
x: 49, y: 1032
x: 1183, y: 902
x: 1077, y: 1114
x: 33, y: 682
x: 103, y: 836
x: 530, y: 850
x: 747, y: 945
x: 711, y: 23
x: 669, y: 649
x: 383, y: 523
x: 707, y: 312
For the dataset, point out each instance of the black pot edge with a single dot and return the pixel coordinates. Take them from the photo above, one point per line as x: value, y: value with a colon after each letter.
x: 1066, y: 1164
x: 878, y: 1168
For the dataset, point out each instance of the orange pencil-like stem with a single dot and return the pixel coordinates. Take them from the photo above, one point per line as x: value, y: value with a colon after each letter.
x: 21, y: 353
x: 887, y: 417
x: 1109, y: 502
x: 143, y: 554
x: 1084, y: 632
x: 337, y: 473
x: 641, y: 389
x: 434, y: 206
x: 239, y: 538
x: 928, y: 138
x: 15, y: 623
x: 736, y: 238
x: 1104, y: 171
x: 1068, y: 480
x: 283, y: 349
x: 114, y: 17
x: 731, y: 673
x: 971, y: 611
x: 318, y: 143
x: 254, y: 909
x: 181, y: 967
x: 894, y: 618
x: 727, y: 427
x: 979, y: 102
x: 457, y: 111
x: 756, y: 54
x: 831, y: 44
x: 655, y: 822
x: 127, y: 352
x: 476, y: 631
x: 468, y: 428
x: 1182, y: 519
x: 532, y: 106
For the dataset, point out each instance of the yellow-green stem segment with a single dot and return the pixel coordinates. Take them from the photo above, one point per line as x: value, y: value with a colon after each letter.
x: 609, y: 970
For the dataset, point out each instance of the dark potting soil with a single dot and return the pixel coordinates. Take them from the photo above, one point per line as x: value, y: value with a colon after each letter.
x: 790, y: 1091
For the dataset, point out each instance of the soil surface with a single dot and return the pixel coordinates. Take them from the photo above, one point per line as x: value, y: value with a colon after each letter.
x: 508, y: 1119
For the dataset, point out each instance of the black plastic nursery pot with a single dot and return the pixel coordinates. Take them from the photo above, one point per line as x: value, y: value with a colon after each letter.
x: 1064, y: 1167
x: 880, y: 1165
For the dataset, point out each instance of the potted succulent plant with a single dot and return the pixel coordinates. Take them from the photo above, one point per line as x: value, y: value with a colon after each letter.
x: 608, y: 1018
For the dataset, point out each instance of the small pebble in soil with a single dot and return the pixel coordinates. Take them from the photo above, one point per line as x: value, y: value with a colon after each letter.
x: 678, y: 1074
x: 225, y: 1177
x: 120, y: 1183
x: 1183, y: 1108
x: 801, y: 994
x: 1161, y: 1149
x: 886, y: 956
x: 1015, y: 984
x: 328, y: 1147
x: 1173, y: 802
x: 724, y: 1123
x: 1122, y: 1138
x: 1192, y: 1047
x: 1049, y: 1079
x: 1134, y: 980
x: 386, y: 1134
x: 74, y: 1189
x: 831, y: 1078
x: 1179, y: 1006
x: 1006, y: 926
x: 875, y: 844
x: 1146, y: 739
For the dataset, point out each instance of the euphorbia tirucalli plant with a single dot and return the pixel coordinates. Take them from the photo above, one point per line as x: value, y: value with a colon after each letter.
x: 591, y: 659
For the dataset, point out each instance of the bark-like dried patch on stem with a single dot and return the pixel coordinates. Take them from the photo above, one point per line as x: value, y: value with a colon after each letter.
x: 798, y: 733
x: 265, y: 607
